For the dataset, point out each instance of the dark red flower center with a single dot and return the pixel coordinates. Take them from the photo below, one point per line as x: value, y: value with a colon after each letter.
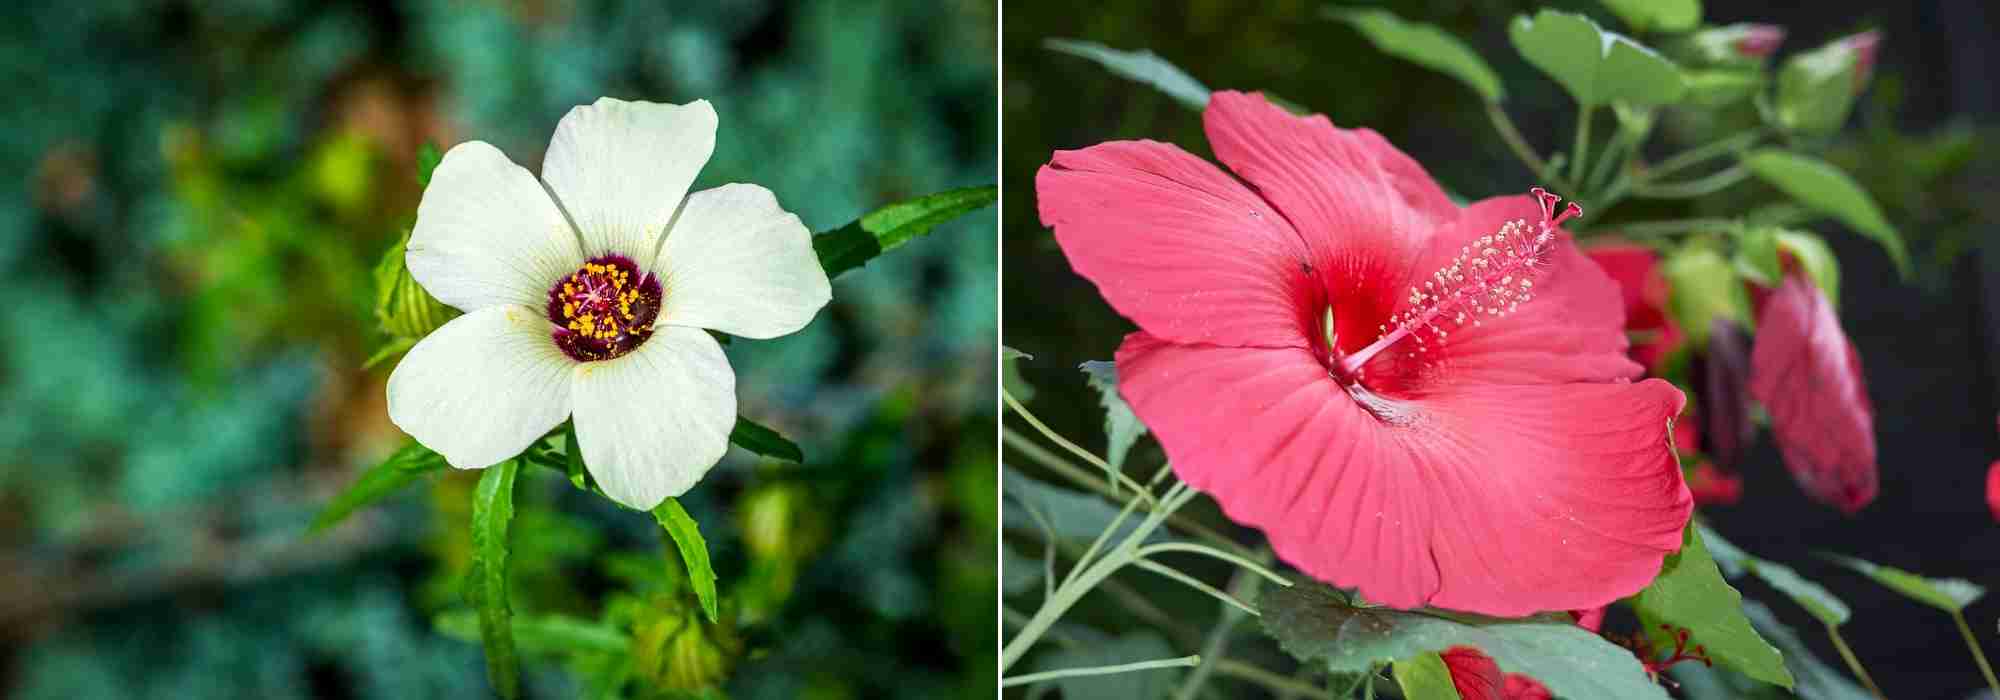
x: 1490, y: 278
x: 604, y: 309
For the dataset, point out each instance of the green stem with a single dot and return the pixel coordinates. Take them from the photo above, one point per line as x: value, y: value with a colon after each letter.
x: 1102, y: 537
x: 1853, y: 664
x: 1614, y: 153
x: 1075, y: 449
x: 1012, y: 681
x: 1668, y: 227
x: 1972, y: 643
x: 1271, y: 681
x: 1698, y: 154
x: 1699, y: 187
x: 1217, y: 643
x: 1368, y: 684
x: 1247, y: 565
x: 1194, y: 583
x: 1069, y: 593
x: 1580, y: 153
x: 1078, y: 476
x: 1512, y: 137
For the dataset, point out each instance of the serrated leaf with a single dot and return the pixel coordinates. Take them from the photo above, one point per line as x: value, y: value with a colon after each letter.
x: 1142, y: 66
x: 1656, y: 15
x: 1817, y: 259
x: 1317, y: 625
x: 1425, y: 677
x: 550, y: 635
x: 884, y: 229
x: 401, y: 469
x: 1071, y: 515
x: 764, y: 441
x: 1690, y: 593
x: 1816, y: 599
x: 428, y: 157
x: 687, y: 538
x: 1701, y: 287
x: 1823, y: 188
x: 1596, y: 66
x: 1121, y: 427
x: 1424, y: 45
x: 1010, y: 374
x: 1948, y: 594
x: 486, y: 581
x: 1150, y: 684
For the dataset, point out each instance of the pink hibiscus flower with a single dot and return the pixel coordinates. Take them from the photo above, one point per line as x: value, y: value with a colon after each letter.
x: 1636, y: 269
x: 1993, y: 488
x: 1808, y: 376
x: 1428, y: 403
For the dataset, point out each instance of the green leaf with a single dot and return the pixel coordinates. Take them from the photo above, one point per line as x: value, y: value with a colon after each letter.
x: 486, y: 581
x: 1691, y: 594
x: 428, y: 157
x: 1816, y: 679
x: 694, y: 552
x: 1142, y: 66
x: 395, y: 346
x: 1656, y: 15
x: 401, y: 469
x: 1948, y: 594
x: 1150, y: 684
x: 1010, y: 374
x: 1595, y: 66
x: 1823, y: 188
x: 546, y: 635
x: 1702, y: 286
x: 884, y: 229
x: 1319, y: 626
x: 1425, y: 677
x: 573, y: 459
x: 1817, y: 259
x: 764, y: 441
x: 403, y: 308
x: 1121, y: 426
x: 1069, y: 514
x: 1424, y: 45
x: 1823, y: 604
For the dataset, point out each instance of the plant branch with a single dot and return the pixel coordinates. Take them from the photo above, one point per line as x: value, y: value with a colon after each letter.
x: 1579, y: 153
x: 1699, y: 187
x: 1194, y: 583
x: 1250, y: 566
x: 1274, y: 682
x: 1853, y: 664
x: 1012, y: 681
x: 1695, y: 156
x: 1972, y: 643
x: 1078, y: 476
x: 1512, y: 137
x: 1084, y: 454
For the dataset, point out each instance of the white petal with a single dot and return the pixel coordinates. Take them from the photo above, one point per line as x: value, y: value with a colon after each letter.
x: 620, y: 169
x: 737, y: 263
x: 483, y: 387
x: 487, y: 233
x: 653, y: 421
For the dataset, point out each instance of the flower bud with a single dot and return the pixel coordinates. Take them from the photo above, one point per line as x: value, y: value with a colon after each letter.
x: 401, y: 305
x: 1816, y: 89
x: 779, y: 521
x: 676, y: 649
x: 1740, y: 45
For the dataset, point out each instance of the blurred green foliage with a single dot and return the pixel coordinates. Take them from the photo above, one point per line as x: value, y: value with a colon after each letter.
x: 203, y: 190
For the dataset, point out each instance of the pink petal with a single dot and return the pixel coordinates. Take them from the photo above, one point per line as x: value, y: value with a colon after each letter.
x: 1591, y: 618
x: 1478, y: 497
x: 1362, y: 207
x: 1520, y: 687
x: 1475, y: 675
x: 1572, y: 330
x: 1635, y: 268
x: 1808, y: 376
x: 1176, y: 245
x: 1993, y: 488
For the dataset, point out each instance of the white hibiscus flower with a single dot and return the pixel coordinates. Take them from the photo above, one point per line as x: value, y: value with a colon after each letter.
x: 586, y: 294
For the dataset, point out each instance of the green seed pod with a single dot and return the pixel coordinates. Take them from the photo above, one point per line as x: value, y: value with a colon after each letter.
x: 1816, y: 89
x: 403, y: 307
x: 677, y: 650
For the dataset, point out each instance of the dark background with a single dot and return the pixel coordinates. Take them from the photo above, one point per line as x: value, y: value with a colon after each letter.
x: 1929, y: 345
x: 195, y: 195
